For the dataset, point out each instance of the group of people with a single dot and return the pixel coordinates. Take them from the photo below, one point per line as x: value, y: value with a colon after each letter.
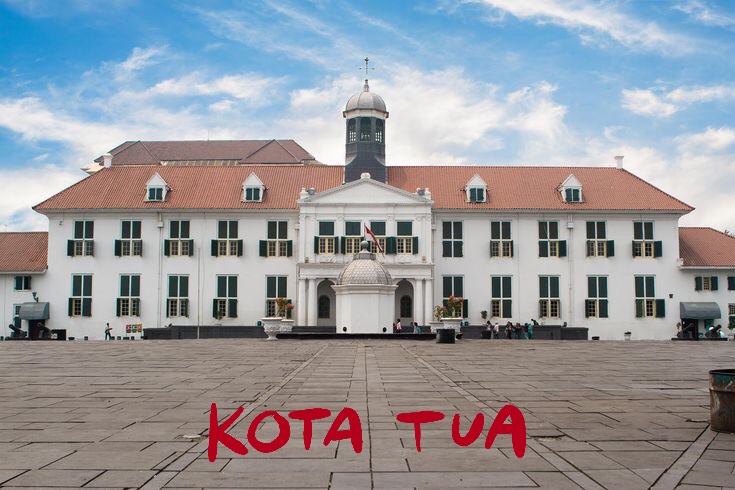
x: 511, y: 330
x: 397, y: 328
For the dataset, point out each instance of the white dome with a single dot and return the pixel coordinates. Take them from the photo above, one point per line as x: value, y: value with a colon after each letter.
x: 365, y: 100
x: 364, y: 269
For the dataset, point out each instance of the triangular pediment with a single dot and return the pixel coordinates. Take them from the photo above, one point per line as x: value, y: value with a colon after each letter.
x: 570, y: 181
x: 476, y: 181
x: 252, y: 181
x: 365, y: 191
x: 156, y: 181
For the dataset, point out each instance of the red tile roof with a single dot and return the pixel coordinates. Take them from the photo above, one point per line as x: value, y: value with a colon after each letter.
x: 194, y: 187
x: 23, y: 252
x: 604, y: 188
x: 220, y: 187
x: 706, y: 247
x: 242, y: 151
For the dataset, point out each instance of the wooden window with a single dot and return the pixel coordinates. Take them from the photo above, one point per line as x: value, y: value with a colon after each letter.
x: 225, y: 303
x: 253, y: 194
x: 128, y: 302
x: 83, y: 242
x: 646, y: 304
x: 80, y: 302
x: 501, y: 243
x: 324, y: 308
x: 155, y: 193
x: 549, y: 244
x: 353, y: 237
x: 454, y: 286
x: 275, y: 287
x: 227, y: 242
x: 179, y: 242
x: 22, y: 283
x: 178, y: 296
x: 379, y: 131
x: 596, y: 303
x: 378, y: 229
x: 476, y: 194
x: 549, y: 302
x: 597, y: 243
x: 452, y: 244
x: 404, y: 240
x: 573, y: 194
x: 406, y: 304
x: 643, y: 243
x: 130, y: 243
x: 500, y: 297
x: 351, y: 131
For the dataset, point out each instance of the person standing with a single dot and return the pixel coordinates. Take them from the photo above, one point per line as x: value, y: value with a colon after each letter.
x: 108, y: 332
x: 496, y: 330
x: 398, y: 325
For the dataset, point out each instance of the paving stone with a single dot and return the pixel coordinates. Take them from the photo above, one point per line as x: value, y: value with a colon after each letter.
x: 53, y: 478
x: 120, y: 479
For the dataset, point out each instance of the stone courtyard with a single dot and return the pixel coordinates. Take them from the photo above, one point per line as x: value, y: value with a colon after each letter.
x: 127, y: 414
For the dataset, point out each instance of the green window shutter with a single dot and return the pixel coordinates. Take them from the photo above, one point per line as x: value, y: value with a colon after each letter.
x: 542, y: 230
x: 458, y: 286
x: 191, y: 247
x: 378, y: 227
x: 457, y: 230
x: 715, y: 283
x: 86, y: 306
x: 86, y: 285
x: 270, y: 286
x: 446, y: 286
x: 215, y: 248
x: 650, y: 290
x: 272, y: 230
x: 587, y: 302
x: 603, y: 309
x: 554, y: 287
x: 602, y: 287
x: 640, y: 288
x: 446, y: 230
x: 660, y: 308
x: 184, y: 287
x: 222, y: 229
x: 239, y: 248
x: 731, y: 283
x: 415, y: 245
x: 118, y: 306
x: 126, y: 229
x: 638, y: 230
x: 134, y: 285
x: 173, y: 287
x: 390, y: 245
x: 71, y: 309
x: 125, y: 285
x: 698, y: 283
x: 458, y: 248
x: 221, y: 286
x: 588, y: 254
x: 316, y: 245
x: 511, y: 248
x: 465, y: 308
x: 214, y: 308
x: 495, y: 230
x: 167, y: 248
x: 233, y: 229
x: 118, y: 248
x: 342, y: 244
x: 70, y: 248
x: 289, y: 248
x: 543, y: 287
x: 18, y: 283
x: 639, y: 308
x: 543, y: 248
x: 446, y: 248
x: 184, y: 229
x: 562, y: 248
x: 232, y: 308
x: 404, y: 228
x: 79, y: 229
x: 91, y: 248
x: 282, y: 287
x: 657, y: 249
x: 591, y: 230
x: 507, y: 308
x: 610, y: 248
x: 591, y: 287
x: 76, y: 285
x: 473, y: 194
x: 136, y: 229
x: 174, y: 229
x: 495, y: 287
x: 568, y: 193
x: 263, y: 248
x: 632, y: 248
x: 232, y: 286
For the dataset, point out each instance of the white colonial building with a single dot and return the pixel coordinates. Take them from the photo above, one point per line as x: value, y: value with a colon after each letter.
x: 212, y: 232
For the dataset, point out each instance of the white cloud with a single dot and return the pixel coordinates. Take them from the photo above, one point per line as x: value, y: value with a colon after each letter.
x: 248, y: 87
x: 704, y: 14
x: 140, y: 58
x: 711, y: 140
x: 646, y: 102
x: 592, y: 20
x: 660, y: 103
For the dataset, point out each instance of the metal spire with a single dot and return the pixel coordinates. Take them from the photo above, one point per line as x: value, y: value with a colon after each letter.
x: 366, y: 87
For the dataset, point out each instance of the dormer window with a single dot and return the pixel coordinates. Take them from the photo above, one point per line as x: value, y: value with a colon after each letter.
x: 571, y: 189
x: 156, y: 189
x: 252, y: 189
x: 573, y: 195
x: 476, y: 189
x: 155, y: 193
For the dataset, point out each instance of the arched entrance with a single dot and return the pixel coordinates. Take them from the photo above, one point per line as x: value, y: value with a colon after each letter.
x: 326, y: 304
x: 404, y: 302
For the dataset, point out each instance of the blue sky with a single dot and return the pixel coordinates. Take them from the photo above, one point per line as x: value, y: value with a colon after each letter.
x: 546, y: 82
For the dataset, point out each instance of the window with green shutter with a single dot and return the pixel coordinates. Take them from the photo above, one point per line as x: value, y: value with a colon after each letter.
x: 501, y: 243
x: 227, y: 242
x: 476, y: 194
x: 177, y: 302
x: 549, y: 244
x: 80, y: 302
x: 225, y: 304
x: 644, y: 244
x: 596, y: 303
x: 325, y: 243
x: 646, y: 304
x: 501, y: 297
x: 353, y: 237
x: 275, y: 287
x: 706, y: 283
x: 22, y: 283
x: 454, y: 286
x: 597, y: 243
x: 128, y: 302
x: 277, y: 243
x: 549, y: 301
x: 452, y: 243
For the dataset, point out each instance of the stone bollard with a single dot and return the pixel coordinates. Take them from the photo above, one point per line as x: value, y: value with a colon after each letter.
x: 722, y: 400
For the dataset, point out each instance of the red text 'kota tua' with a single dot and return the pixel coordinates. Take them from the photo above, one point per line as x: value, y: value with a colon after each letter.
x: 217, y: 433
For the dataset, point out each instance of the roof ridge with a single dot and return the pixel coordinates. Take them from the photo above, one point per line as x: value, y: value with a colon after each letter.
x: 83, y: 179
x: 501, y: 166
x: 22, y: 232
x: 267, y: 142
x: 286, y: 149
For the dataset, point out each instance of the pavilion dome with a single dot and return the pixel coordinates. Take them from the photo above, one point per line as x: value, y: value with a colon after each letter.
x: 364, y: 270
x: 366, y: 100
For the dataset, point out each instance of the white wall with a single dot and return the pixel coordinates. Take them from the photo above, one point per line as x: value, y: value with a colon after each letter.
x: 10, y: 297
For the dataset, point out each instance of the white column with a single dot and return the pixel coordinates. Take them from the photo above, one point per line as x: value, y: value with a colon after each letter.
x: 418, y: 301
x: 313, y: 301
x: 429, y: 300
x: 301, y: 303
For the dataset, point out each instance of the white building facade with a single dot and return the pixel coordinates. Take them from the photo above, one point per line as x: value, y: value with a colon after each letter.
x: 212, y: 236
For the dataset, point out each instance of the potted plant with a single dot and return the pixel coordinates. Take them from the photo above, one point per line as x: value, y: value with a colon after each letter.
x: 626, y: 335
x: 483, y: 314
x: 272, y: 324
x: 439, y: 313
x: 285, y: 308
x: 452, y: 313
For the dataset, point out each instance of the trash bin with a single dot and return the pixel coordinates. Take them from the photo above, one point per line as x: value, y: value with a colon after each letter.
x: 722, y: 400
x: 445, y: 336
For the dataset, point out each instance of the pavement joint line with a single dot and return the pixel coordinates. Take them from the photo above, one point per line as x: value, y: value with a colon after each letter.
x: 467, y: 395
x: 678, y: 470
x: 367, y: 408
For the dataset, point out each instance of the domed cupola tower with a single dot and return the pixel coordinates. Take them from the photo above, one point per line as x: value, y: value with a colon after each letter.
x: 365, y: 114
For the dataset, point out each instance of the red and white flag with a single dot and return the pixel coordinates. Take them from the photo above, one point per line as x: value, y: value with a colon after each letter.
x: 375, y: 240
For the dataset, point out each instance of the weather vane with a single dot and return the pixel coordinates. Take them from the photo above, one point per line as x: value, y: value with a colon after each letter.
x: 366, y: 68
